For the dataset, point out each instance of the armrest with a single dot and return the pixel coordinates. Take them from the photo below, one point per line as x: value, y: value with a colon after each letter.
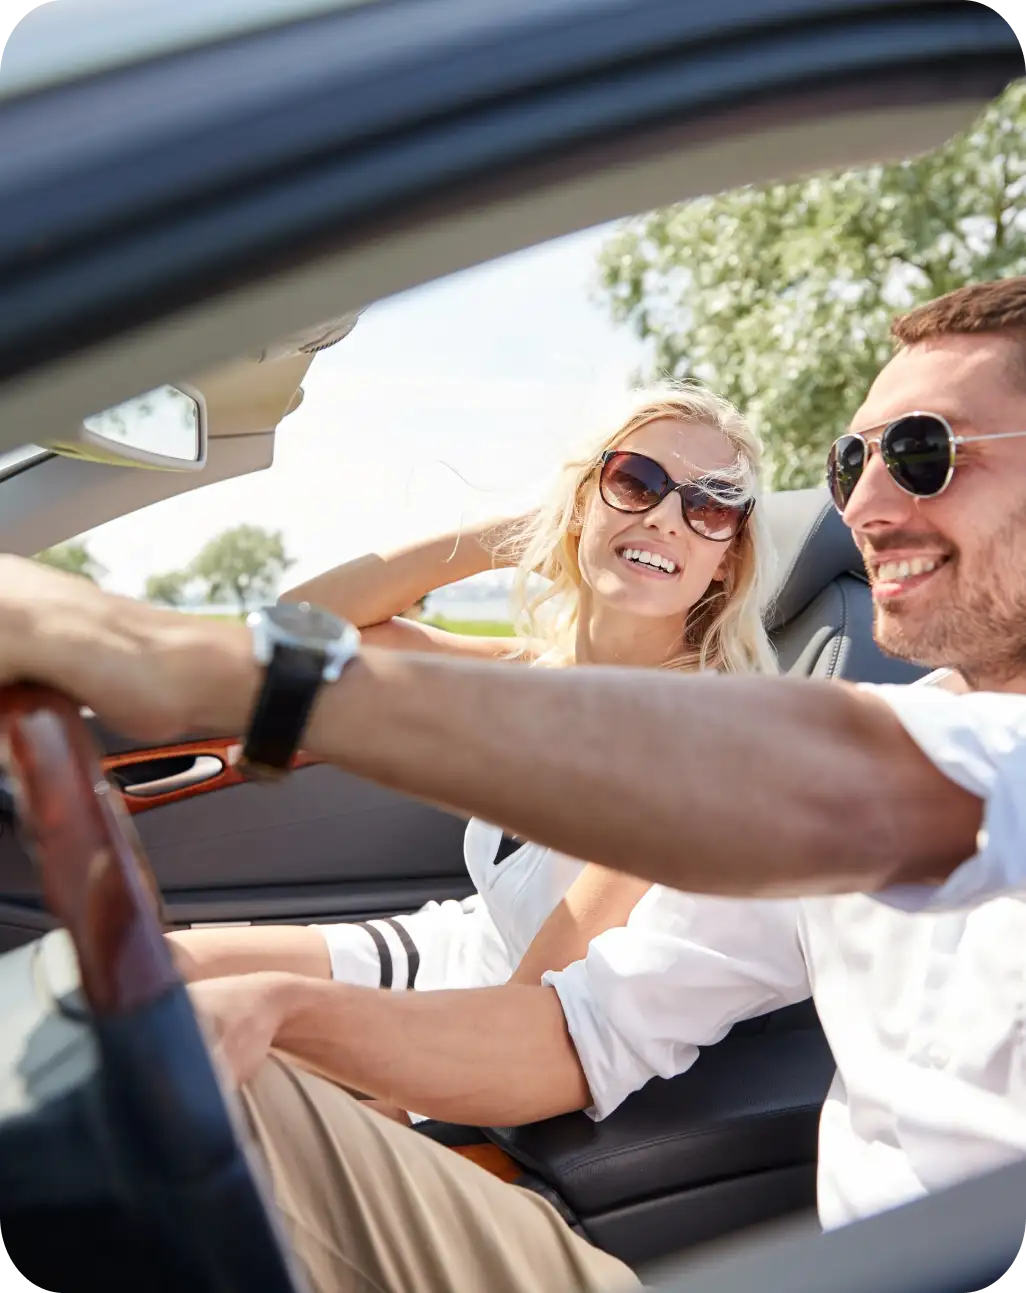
x: 750, y: 1104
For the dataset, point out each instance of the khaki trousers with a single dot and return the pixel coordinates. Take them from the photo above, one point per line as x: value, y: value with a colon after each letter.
x: 372, y: 1207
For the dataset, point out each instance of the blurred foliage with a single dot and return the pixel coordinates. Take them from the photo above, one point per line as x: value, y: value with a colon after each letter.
x: 241, y: 566
x: 74, y: 558
x: 169, y: 588
x: 780, y: 297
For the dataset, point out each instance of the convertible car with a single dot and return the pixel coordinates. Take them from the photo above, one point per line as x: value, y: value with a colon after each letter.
x: 184, y: 188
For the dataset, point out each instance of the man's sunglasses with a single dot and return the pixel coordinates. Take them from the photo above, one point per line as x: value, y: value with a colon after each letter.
x: 918, y: 450
x: 712, y: 509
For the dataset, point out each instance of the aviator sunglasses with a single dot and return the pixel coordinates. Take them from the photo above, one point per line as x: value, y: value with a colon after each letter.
x: 918, y: 450
x: 712, y: 509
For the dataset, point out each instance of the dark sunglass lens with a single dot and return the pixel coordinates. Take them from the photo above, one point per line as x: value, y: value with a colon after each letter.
x: 844, y: 467
x: 917, y: 452
x: 715, y: 509
x: 631, y: 482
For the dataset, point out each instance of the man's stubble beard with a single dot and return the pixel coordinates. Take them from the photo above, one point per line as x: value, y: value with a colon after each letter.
x: 979, y: 628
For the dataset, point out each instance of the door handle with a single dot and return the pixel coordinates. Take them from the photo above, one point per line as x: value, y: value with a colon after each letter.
x: 170, y: 774
x: 204, y: 767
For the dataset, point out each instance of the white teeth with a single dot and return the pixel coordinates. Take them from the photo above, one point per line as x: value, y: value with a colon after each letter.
x: 642, y: 557
x: 894, y: 571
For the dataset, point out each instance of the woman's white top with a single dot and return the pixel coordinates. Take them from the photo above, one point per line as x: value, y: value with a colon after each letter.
x: 475, y: 943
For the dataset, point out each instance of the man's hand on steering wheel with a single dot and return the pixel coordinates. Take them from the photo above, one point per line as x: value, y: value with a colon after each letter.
x: 135, y: 666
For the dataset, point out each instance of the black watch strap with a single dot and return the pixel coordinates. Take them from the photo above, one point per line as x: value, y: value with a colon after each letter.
x: 291, y: 683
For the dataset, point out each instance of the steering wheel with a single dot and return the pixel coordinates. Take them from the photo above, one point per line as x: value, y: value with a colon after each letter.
x: 175, y: 1144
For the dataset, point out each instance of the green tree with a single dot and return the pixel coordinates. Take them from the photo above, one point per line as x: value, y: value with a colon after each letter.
x: 780, y: 297
x: 242, y: 565
x: 74, y: 558
x: 168, y: 588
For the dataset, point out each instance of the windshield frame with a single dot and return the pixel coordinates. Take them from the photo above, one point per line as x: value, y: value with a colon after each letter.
x: 17, y: 460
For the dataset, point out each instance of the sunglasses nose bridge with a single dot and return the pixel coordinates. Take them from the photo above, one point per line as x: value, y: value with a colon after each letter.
x: 869, y: 444
x: 878, y: 498
x: 678, y: 489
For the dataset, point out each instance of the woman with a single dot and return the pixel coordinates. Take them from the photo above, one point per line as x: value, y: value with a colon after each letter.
x: 653, y: 554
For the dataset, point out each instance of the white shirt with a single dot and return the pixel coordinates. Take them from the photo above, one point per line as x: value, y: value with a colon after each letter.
x: 478, y: 942
x: 925, y: 1013
x: 475, y: 943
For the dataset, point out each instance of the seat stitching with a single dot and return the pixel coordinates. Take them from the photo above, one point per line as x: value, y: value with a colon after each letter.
x: 840, y: 636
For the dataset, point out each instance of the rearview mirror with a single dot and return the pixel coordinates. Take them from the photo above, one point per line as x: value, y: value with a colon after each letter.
x: 165, y: 428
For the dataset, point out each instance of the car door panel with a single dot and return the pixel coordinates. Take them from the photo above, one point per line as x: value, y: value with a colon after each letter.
x: 319, y: 845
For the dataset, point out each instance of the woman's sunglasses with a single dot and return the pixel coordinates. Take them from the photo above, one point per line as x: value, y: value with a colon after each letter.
x: 630, y: 482
x: 918, y: 451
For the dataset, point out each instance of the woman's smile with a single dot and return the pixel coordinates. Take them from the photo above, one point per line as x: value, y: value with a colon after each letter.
x: 648, y: 562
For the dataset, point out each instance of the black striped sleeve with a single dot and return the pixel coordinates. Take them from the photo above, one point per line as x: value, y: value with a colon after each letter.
x: 381, y: 947
x: 410, y: 948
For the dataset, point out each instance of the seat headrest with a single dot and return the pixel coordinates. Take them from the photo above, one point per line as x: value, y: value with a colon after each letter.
x: 813, y: 547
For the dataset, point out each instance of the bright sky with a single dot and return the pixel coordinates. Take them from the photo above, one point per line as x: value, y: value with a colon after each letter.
x: 494, y: 373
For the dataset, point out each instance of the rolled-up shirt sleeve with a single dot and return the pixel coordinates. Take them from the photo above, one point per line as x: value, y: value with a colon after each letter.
x: 449, y: 944
x: 677, y: 976
x: 978, y: 741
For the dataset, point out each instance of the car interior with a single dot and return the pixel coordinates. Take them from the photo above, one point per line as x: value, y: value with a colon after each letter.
x: 115, y: 1137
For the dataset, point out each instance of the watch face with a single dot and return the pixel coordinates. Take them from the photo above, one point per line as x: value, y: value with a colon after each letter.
x: 308, y: 624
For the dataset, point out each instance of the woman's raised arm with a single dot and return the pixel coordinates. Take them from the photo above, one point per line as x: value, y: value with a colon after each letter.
x: 374, y: 590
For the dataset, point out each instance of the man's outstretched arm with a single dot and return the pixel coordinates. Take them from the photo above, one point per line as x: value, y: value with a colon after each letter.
x: 726, y: 785
x: 723, y: 785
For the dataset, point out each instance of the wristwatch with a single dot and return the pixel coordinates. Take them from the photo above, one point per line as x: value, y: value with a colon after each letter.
x: 301, y: 647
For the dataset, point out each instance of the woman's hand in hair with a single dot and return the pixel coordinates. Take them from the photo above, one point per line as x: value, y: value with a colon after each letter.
x: 503, y: 538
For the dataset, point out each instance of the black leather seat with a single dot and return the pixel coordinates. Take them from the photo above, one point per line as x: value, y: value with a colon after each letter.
x: 821, y: 616
x: 732, y: 1141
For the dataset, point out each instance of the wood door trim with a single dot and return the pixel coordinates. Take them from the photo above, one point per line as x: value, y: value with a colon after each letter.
x: 225, y: 749
x: 493, y: 1160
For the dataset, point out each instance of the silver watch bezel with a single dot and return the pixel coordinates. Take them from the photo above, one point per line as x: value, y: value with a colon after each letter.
x: 337, y: 651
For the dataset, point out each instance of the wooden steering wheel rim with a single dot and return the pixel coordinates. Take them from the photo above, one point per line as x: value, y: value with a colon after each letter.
x: 95, y: 877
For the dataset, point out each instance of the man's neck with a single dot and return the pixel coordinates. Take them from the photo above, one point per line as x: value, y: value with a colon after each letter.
x: 947, y: 680
x: 965, y: 680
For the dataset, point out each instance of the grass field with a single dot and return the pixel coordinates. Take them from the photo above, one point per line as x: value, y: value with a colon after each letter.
x: 476, y: 628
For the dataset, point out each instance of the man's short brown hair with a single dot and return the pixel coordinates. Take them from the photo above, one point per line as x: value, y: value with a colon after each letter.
x: 999, y: 306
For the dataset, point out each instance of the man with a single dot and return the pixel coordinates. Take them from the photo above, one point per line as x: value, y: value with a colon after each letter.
x: 882, y: 789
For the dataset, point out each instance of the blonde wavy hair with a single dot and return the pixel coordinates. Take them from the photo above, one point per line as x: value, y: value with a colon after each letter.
x: 724, y: 630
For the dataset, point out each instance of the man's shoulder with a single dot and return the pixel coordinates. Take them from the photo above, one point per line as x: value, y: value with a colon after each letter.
x: 967, y: 734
